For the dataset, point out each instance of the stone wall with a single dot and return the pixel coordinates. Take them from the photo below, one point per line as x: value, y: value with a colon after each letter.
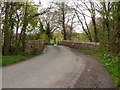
x: 33, y: 45
x: 77, y: 45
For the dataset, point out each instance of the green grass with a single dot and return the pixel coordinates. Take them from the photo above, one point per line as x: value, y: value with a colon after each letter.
x: 109, y: 60
x: 6, y: 60
x: 10, y: 59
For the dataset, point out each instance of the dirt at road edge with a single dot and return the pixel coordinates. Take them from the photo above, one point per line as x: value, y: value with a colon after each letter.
x: 95, y: 74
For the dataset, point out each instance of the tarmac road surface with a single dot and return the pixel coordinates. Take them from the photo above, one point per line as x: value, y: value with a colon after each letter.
x: 57, y: 67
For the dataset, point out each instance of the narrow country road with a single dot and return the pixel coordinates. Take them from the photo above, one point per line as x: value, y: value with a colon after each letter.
x: 58, y: 67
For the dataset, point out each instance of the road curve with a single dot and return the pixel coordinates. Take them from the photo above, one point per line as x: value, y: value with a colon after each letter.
x: 58, y: 67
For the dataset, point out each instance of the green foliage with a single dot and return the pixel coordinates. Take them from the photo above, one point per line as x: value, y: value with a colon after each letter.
x: 0, y: 60
x: 48, y: 43
x: 109, y: 60
x: 41, y: 27
x: 23, y: 54
x: 44, y: 37
x: 79, y: 37
x: 6, y: 60
x: 36, y: 52
x: 33, y: 22
x: 82, y: 37
x: 57, y: 35
x: 17, y: 21
x: 32, y: 37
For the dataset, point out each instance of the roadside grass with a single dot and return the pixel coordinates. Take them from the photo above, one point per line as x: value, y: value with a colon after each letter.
x: 6, y: 60
x: 109, y: 60
x: 10, y: 59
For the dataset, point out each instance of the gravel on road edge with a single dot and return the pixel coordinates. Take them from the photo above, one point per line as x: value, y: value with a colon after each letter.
x: 95, y: 74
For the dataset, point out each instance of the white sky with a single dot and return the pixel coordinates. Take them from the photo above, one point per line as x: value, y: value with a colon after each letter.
x: 45, y: 3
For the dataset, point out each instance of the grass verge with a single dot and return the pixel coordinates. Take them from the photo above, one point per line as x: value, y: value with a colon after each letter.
x: 7, y: 60
x: 109, y: 60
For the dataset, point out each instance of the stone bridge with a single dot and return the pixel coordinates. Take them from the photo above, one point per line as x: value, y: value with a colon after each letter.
x: 77, y: 45
x: 33, y: 45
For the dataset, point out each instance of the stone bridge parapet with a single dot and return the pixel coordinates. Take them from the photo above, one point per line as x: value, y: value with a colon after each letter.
x: 34, y: 45
x: 77, y: 45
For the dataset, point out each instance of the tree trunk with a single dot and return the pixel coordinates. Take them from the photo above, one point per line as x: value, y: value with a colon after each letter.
x: 23, y: 32
x: 71, y: 29
x: 63, y: 23
x: 6, y: 45
x: 86, y: 32
x: 11, y: 25
x: 95, y: 29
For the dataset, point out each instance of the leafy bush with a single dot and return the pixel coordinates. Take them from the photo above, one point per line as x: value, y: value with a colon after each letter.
x: 44, y: 37
x: 48, y: 43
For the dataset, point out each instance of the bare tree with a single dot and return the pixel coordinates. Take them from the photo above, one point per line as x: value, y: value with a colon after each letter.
x: 65, y: 19
x: 79, y: 12
x: 90, y: 6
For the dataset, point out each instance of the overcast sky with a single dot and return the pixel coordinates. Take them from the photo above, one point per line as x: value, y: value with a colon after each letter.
x: 45, y: 3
